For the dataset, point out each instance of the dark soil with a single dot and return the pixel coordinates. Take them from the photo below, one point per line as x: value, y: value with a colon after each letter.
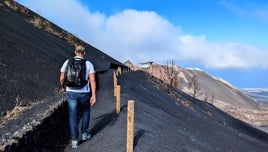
x: 30, y: 59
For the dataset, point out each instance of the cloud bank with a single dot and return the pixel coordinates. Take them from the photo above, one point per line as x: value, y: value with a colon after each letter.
x: 142, y: 36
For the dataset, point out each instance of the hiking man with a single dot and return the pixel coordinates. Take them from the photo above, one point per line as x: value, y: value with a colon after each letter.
x: 76, y: 86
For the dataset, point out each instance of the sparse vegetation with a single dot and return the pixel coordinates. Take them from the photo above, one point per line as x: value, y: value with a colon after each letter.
x: 209, y: 97
x: 167, y: 81
x: 70, y: 39
x: 185, y: 103
x: 48, y: 26
x: 42, y: 23
x: 18, y: 109
x: 170, y: 76
x: 36, y: 21
x: 11, y: 4
x: 171, y: 91
x: 194, y: 86
x: 209, y: 114
x: 212, y: 95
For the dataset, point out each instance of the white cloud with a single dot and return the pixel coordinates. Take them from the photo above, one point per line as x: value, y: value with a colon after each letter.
x: 140, y: 36
x: 222, y: 55
x: 145, y: 36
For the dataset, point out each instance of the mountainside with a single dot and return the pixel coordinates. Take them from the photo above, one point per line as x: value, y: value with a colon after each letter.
x: 165, y: 124
x: 30, y: 59
x: 213, y: 90
x: 259, y: 94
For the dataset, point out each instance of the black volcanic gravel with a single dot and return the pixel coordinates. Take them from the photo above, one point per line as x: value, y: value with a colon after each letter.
x: 30, y: 59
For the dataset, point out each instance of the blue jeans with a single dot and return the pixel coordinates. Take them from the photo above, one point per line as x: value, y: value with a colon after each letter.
x: 73, y: 99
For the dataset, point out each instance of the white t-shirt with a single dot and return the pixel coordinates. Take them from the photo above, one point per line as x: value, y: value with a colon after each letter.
x: 89, y: 69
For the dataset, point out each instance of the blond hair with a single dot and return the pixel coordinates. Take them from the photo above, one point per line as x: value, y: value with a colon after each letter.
x: 79, y: 48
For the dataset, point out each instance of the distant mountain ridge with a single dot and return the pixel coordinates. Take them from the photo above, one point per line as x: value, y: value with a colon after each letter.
x: 219, y: 92
x: 259, y: 94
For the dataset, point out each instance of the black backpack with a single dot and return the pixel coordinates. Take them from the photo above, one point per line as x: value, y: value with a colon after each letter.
x: 75, y: 74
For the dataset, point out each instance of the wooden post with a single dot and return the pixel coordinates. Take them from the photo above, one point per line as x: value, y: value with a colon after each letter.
x: 119, y: 70
x: 117, y: 106
x: 130, y: 126
x: 115, y: 83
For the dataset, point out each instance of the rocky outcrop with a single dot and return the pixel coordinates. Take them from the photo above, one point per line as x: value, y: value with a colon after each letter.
x: 251, y: 116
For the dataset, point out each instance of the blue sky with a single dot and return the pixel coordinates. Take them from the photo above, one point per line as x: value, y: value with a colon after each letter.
x: 225, y: 38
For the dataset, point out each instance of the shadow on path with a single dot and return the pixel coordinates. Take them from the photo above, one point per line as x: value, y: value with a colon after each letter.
x: 106, y: 119
x: 139, y: 134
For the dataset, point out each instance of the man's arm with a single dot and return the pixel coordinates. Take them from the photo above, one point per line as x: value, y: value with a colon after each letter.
x: 93, y: 88
x: 63, y: 89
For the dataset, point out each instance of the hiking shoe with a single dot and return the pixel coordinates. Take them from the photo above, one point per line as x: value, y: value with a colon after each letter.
x: 86, y: 136
x: 74, y: 144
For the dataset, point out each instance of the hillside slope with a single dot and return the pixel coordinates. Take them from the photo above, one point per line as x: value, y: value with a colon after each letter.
x: 163, y: 124
x: 213, y: 90
x: 30, y: 59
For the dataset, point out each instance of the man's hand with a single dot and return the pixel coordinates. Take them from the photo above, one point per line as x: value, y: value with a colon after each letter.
x: 92, y: 100
x: 63, y: 89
